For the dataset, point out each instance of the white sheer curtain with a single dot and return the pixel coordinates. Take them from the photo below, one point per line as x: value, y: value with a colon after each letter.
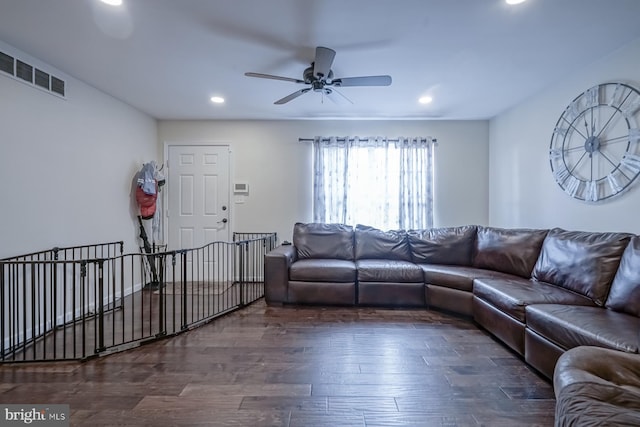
x: 385, y: 183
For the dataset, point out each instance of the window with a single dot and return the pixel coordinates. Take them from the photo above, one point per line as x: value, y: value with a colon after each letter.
x: 379, y: 182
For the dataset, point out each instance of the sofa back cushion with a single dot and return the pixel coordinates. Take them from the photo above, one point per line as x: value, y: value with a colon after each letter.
x: 447, y: 245
x: 624, y: 295
x: 372, y: 243
x: 316, y: 240
x: 581, y: 261
x: 513, y: 251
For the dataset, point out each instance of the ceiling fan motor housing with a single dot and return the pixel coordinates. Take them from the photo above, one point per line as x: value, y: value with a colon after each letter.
x: 311, y: 79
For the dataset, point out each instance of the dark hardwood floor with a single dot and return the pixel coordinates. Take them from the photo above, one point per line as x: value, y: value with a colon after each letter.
x: 266, y: 366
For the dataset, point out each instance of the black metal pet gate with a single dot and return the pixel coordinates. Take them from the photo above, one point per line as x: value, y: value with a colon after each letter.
x: 79, y: 302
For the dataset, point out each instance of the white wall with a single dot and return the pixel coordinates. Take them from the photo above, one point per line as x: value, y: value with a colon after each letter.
x: 67, y: 165
x: 522, y: 190
x: 268, y: 156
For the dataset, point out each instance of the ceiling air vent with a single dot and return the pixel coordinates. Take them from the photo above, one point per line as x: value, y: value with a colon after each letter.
x: 6, y: 63
x: 27, y: 73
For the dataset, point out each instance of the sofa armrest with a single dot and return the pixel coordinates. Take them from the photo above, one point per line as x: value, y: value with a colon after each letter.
x: 597, y: 365
x: 276, y: 273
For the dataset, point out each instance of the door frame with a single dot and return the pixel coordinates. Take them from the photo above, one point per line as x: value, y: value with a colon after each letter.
x: 165, y: 156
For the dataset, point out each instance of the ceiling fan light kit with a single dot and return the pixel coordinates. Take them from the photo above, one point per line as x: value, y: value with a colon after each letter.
x: 319, y: 78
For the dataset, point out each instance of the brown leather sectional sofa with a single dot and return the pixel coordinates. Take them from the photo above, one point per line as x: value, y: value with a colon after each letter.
x: 541, y: 292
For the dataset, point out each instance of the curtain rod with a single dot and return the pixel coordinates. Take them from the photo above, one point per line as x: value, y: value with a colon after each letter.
x: 352, y: 139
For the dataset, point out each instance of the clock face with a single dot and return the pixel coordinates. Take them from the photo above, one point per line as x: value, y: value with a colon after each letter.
x: 595, y: 147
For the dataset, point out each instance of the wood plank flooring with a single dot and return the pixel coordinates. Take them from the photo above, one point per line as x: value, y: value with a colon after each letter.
x: 310, y: 366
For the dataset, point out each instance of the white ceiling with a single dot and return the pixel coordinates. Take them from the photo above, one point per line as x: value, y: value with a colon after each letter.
x: 476, y: 58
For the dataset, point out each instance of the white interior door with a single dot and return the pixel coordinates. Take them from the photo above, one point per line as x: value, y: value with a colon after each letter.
x: 198, y: 196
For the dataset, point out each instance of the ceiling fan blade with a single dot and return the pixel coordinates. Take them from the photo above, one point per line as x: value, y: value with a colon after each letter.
x: 324, y: 60
x: 292, y: 96
x: 269, y: 76
x: 337, y: 97
x: 363, y: 81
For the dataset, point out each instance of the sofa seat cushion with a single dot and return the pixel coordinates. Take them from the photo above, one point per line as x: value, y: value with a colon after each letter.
x: 323, y: 270
x: 511, y: 296
x: 456, y: 276
x: 378, y: 270
x: 571, y: 326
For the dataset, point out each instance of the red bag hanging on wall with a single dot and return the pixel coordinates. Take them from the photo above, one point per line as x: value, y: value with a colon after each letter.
x: 147, y: 202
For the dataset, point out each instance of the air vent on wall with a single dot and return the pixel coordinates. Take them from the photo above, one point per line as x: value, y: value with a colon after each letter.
x: 6, y: 63
x: 42, y: 79
x: 24, y: 71
x: 29, y: 74
x: 57, y: 85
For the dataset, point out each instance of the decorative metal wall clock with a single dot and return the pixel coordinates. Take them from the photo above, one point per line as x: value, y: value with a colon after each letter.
x: 595, y: 147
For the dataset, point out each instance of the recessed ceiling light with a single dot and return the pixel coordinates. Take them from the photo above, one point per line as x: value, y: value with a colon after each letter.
x: 217, y: 99
x: 112, y: 2
x: 425, y: 100
x: 515, y: 1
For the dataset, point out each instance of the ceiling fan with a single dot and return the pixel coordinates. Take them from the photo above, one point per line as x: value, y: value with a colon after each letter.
x: 319, y: 77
